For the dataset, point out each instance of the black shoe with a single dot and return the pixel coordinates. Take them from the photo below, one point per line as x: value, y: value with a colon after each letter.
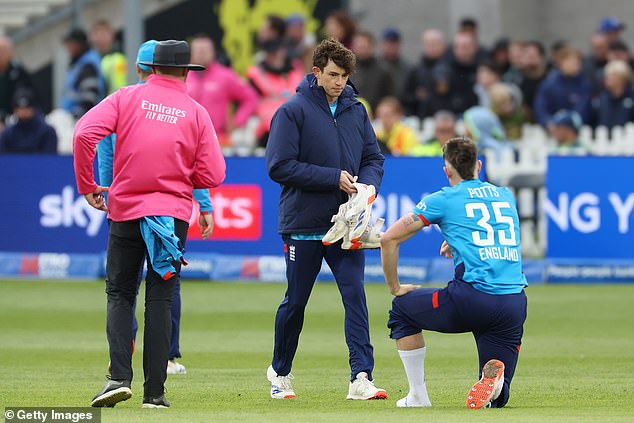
x: 159, y: 402
x: 115, y: 391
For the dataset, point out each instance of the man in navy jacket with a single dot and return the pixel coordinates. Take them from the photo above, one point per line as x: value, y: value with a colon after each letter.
x: 321, y: 142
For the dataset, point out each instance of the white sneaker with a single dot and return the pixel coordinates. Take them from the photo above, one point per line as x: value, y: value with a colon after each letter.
x: 339, y: 228
x: 359, y: 209
x: 281, y: 387
x: 363, y: 389
x: 175, y: 368
x: 413, y: 402
x: 371, y: 238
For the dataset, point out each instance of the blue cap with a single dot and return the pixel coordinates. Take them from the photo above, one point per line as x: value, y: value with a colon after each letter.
x: 295, y: 18
x: 146, y: 54
x: 610, y: 24
x: 567, y: 118
x: 391, y: 34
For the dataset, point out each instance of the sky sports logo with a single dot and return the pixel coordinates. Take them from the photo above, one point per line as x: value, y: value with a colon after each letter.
x: 237, y: 212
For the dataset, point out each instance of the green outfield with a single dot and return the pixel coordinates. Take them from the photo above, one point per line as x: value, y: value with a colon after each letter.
x: 577, y: 361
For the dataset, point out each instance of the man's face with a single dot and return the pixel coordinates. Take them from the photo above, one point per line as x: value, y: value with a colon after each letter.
x: 333, y: 79
x: 433, y: 44
x: 444, y: 130
x: 24, y: 113
x: 387, y: 115
x: 570, y: 65
x: 362, y: 47
x: 464, y: 47
x: 391, y: 49
x: 102, y: 38
x: 531, y: 58
x: 599, y: 44
x: 72, y: 47
x: 202, y: 51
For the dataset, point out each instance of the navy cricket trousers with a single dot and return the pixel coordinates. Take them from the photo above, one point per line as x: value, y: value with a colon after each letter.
x: 496, y: 321
x: 303, y: 262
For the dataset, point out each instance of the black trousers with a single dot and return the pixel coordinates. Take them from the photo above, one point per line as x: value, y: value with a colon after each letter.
x: 126, y: 252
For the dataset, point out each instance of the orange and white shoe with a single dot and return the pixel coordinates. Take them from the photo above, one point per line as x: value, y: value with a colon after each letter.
x: 489, y: 387
x: 370, y: 239
x: 281, y: 387
x: 339, y: 228
x: 363, y: 389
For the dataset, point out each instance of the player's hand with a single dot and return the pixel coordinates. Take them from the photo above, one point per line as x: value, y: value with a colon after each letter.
x: 404, y: 289
x: 345, y: 182
x: 445, y: 250
x: 206, y: 222
x: 96, y: 199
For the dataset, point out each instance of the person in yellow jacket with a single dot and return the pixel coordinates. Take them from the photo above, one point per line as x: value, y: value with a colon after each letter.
x: 394, y: 137
x: 113, y: 62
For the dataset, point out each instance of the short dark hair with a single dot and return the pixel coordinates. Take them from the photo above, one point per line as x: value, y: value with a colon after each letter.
x: 462, y: 154
x: 468, y: 23
x: 332, y: 49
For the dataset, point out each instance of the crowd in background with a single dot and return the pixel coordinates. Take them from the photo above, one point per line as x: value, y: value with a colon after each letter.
x: 493, y: 90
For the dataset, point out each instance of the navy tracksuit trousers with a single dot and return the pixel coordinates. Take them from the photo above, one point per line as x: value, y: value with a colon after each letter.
x: 303, y: 262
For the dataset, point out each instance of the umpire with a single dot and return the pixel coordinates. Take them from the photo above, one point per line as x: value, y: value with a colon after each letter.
x: 166, y: 146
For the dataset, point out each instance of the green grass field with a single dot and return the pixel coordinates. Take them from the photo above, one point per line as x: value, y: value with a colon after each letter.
x: 577, y: 361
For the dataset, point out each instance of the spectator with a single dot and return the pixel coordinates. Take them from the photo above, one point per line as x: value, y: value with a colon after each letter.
x: 593, y: 63
x: 485, y: 129
x: 556, y: 49
x: 488, y: 74
x: 516, y: 53
x: 30, y: 134
x: 391, y: 58
x: 84, y: 86
x: 394, y: 137
x: 419, y: 84
x: 13, y: 77
x: 618, y: 50
x: 534, y: 69
x: 273, y: 28
x: 444, y: 130
x: 340, y: 26
x: 506, y: 103
x: 565, y: 87
x: 301, y: 43
x: 370, y: 78
x: 217, y: 88
x: 615, y: 104
x: 611, y: 27
x: 113, y: 63
x: 462, y: 72
x: 500, y: 55
x: 469, y: 25
x: 275, y: 79
x: 565, y: 126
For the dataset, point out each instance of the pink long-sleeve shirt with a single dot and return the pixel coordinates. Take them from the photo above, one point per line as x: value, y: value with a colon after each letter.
x: 166, y: 146
x: 216, y: 88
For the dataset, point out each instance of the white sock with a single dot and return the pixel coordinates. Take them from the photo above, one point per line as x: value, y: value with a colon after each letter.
x: 414, y: 363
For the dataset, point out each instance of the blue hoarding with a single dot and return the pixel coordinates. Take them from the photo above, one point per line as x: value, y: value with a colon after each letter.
x: 590, y: 207
x: 41, y: 210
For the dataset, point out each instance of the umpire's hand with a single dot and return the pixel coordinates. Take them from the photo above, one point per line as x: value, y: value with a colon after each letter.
x: 206, y: 222
x: 96, y: 199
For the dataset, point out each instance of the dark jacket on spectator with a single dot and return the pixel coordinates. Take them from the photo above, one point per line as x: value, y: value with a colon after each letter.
x: 462, y: 79
x: 419, y: 87
x: 373, y: 81
x: 13, y: 79
x: 613, y: 111
x: 85, y: 86
x: 307, y: 149
x: 558, y: 92
x: 29, y: 137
